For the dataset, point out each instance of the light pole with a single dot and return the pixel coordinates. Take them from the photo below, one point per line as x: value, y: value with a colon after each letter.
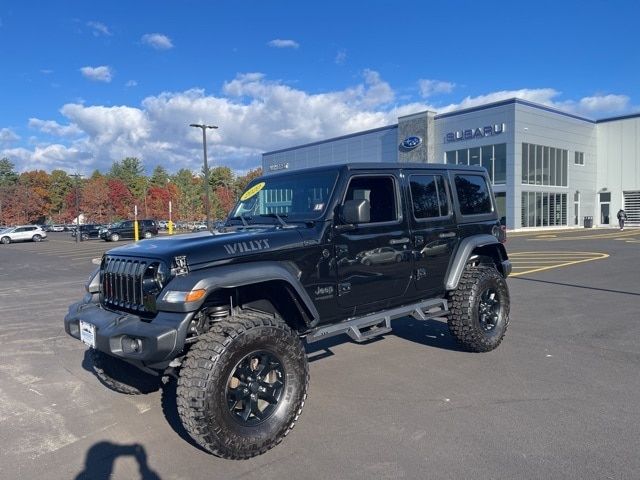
x: 206, y: 168
x: 77, y: 176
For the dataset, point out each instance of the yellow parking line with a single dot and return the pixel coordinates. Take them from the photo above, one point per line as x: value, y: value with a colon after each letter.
x: 594, y: 256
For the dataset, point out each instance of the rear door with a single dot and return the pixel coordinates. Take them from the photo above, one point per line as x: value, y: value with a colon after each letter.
x: 434, y: 234
x: 372, y: 259
x: 127, y: 229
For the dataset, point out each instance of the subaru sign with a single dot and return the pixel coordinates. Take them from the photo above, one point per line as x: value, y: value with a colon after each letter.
x: 410, y: 143
x: 473, y: 133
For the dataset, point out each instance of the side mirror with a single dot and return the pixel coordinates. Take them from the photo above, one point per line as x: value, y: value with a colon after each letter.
x: 356, y: 211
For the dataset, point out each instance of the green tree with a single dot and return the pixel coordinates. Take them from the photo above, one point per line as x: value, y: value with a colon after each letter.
x: 130, y: 170
x: 8, y: 176
x: 188, y: 205
x: 221, y: 177
x: 8, y: 179
x: 159, y: 177
x: 61, y: 185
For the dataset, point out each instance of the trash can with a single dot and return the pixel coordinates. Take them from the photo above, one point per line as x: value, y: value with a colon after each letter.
x: 588, y: 222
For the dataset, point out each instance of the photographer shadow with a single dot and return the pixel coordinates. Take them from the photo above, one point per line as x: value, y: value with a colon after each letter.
x: 102, y: 456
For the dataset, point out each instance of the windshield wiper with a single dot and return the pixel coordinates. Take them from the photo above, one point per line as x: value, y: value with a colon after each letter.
x: 242, y: 218
x: 275, y: 215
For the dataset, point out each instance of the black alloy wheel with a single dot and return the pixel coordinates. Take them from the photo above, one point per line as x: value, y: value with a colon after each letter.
x: 489, y: 309
x: 255, y: 387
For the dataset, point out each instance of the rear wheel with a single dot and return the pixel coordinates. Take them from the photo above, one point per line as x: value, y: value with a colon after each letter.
x: 242, y: 387
x: 479, y: 309
x: 120, y: 376
x: 5, y: 240
x: 36, y: 238
x: 147, y: 235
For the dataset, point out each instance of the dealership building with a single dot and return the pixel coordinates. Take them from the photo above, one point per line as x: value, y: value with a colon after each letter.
x: 549, y: 168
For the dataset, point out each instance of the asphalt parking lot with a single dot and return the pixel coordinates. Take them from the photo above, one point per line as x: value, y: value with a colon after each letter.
x: 560, y: 398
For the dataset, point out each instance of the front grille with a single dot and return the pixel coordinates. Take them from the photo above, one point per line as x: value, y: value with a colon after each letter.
x: 122, y: 284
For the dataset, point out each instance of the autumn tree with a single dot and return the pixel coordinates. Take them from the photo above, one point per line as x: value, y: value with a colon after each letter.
x: 95, y: 199
x: 60, y: 185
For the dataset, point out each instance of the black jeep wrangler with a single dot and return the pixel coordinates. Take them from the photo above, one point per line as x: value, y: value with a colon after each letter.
x: 307, y: 255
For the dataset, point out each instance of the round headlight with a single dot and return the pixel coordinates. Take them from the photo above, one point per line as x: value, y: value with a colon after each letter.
x: 161, y: 275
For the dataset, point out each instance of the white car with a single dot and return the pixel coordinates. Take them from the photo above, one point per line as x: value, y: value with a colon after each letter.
x: 22, y: 233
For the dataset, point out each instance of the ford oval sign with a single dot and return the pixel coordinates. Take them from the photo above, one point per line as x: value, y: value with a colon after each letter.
x: 410, y: 143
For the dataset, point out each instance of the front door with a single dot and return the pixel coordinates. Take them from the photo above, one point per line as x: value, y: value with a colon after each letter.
x: 433, y: 229
x: 373, y: 259
x: 605, y: 202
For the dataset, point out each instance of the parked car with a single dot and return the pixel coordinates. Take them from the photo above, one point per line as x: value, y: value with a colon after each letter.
x: 125, y: 230
x: 198, y: 227
x: 22, y: 233
x: 89, y: 230
x: 57, y: 228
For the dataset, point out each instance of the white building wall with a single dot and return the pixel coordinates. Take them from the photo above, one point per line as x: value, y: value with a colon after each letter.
x: 618, y: 159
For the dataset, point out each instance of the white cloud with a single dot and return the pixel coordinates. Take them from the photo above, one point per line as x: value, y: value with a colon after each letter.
x: 433, y: 87
x: 131, y: 83
x: 8, y: 136
x: 46, y: 71
x: 341, y: 57
x: 604, y: 103
x: 99, y: 29
x: 102, y: 73
x: 51, y: 127
x: 281, y: 43
x: 254, y: 114
x: 157, y: 41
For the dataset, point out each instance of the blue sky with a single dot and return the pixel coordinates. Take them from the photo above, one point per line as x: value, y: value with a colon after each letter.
x: 85, y: 83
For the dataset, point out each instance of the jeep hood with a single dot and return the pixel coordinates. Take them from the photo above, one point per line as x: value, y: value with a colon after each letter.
x: 204, y: 248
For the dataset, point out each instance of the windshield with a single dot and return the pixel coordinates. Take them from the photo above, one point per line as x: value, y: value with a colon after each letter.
x: 302, y: 196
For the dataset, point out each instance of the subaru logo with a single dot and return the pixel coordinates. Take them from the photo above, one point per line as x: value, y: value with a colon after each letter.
x: 410, y: 143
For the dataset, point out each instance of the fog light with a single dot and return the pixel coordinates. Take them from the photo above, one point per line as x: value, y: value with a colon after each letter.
x: 131, y: 345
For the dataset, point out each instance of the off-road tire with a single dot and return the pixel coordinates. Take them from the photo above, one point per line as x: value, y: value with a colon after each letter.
x: 207, y: 373
x: 5, y: 240
x: 114, y: 237
x: 465, y: 319
x: 120, y: 376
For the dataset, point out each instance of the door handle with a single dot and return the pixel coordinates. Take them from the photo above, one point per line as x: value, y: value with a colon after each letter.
x: 398, y: 241
x: 447, y: 235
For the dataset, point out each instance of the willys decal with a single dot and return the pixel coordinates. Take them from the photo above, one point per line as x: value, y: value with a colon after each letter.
x: 250, y: 246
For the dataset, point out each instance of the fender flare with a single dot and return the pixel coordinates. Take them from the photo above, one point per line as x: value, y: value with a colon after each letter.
x: 238, y: 275
x: 466, y: 247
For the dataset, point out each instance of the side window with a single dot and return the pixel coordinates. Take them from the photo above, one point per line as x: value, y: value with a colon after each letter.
x: 473, y: 194
x: 127, y: 224
x: 18, y: 230
x: 429, y: 196
x: 381, y: 194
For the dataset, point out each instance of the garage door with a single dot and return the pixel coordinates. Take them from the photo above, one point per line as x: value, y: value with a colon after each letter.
x: 632, y: 207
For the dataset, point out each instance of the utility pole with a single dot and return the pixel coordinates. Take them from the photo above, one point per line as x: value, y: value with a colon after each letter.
x: 206, y: 169
x: 77, y: 176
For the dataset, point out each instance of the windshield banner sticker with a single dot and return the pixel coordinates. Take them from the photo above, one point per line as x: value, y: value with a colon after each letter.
x: 252, y: 191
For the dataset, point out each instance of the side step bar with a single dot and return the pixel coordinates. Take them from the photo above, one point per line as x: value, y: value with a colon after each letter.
x: 364, y: 328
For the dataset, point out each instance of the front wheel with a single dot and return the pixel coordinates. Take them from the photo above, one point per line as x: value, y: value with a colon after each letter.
x: 147, y: 235
x: 84, y: 236
x: 114, y: 237
x: 479, y: 309
x: 242, y: 386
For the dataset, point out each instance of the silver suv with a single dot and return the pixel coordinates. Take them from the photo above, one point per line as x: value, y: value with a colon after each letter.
x: 22, y: 233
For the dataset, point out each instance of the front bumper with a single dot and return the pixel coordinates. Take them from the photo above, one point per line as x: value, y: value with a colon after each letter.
x: 506, y: 268
x: 160, y: 340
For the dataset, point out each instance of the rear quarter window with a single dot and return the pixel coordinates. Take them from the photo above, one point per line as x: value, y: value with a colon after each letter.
x: 473, y: 194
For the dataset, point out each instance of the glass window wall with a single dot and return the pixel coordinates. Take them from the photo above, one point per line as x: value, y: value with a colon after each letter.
x: 544, y: 209
x: 491, y: 157
x: 545, y: 166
